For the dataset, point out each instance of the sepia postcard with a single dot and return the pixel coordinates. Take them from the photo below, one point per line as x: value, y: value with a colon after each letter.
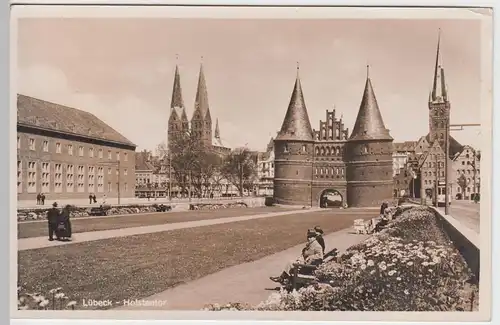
x: 262, y: 163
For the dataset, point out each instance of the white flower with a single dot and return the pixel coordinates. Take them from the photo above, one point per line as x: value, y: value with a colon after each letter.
x: 44, y: 303
x: 398, y: 278
x: 370, y: 263
x: 391, y: 272
x: 425, y: 264
x: 430, y: 270
x: 372, y: 271
x: 406, y: 292
x: 382, y: 266
x: 72, y: 303
x: 410, y: 263
x: 363, y: 266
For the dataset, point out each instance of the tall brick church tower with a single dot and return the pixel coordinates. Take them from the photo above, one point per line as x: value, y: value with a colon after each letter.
x: 178, y: 122
x: 439, y: 105
x: 293, y: 149
x: 369, y: 155
x: 201, y: 122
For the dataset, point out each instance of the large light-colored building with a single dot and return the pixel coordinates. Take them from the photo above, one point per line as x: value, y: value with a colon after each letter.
x: 67, y: 153
x: 467, y: 173
x: 265, y: 170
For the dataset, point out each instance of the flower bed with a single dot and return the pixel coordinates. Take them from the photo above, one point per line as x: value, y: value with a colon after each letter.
x: 54, y: 300
x: 76, y: 212
x: 411, y: 265
x: 216, y: 206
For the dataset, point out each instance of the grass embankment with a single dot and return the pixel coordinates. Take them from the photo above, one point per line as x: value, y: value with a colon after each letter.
x: 140, y: 266
x: 37, y: 229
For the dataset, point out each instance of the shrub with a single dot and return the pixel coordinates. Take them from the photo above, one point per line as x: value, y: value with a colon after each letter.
x: 54, y: 300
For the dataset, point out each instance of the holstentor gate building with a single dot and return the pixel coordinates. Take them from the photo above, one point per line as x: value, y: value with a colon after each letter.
x: 309, y: 162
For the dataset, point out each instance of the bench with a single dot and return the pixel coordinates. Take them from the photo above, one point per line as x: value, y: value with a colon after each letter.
x: 303, y: 274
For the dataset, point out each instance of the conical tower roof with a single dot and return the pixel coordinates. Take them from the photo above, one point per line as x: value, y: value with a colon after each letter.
x: 201, y: 101
x: 217, y: 131
x: 369, y: 123
x: 296, y: 125
x: 439, y: 93
x: 177, y: 101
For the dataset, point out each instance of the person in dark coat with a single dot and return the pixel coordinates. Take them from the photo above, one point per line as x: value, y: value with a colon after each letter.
x: 64, y: 223
x: 42, y: 197
x: 38, y: 199
x: 383, y: 207
x: 94, y: 198
x: 52, y: 218
x: 319, y: 237
x: 90, y: 198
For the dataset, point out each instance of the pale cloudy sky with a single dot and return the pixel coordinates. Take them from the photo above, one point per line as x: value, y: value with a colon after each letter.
x: 122, y: 71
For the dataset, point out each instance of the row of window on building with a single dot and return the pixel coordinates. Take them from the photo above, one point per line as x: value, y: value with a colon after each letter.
x: 82, y: 180
x: 69, y: 149
x: 468, y: 171
x: 328, y: 171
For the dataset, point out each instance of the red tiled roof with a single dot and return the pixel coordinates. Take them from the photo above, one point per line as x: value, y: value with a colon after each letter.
x: 41, y: 114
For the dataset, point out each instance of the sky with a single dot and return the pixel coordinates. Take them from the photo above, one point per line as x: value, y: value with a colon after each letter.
x: 122, y: 71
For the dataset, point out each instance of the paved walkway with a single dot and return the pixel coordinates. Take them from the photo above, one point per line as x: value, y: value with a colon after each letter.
x: 245, y: 283
x: 41, y: 242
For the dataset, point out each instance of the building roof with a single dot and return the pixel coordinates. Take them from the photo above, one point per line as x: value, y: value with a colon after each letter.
x: 369, y: 124
x: 455, y: 146
x: 142, y: 163
x: 42, y: 114
x: 404, y: 146
x: 296, y: 125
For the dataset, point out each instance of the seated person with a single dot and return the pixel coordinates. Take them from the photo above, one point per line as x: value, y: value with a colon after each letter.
x: 319, y: 237
x: 312, y: 253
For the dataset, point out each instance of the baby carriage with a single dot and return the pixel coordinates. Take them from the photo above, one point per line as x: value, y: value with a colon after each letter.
x: 62, y: 231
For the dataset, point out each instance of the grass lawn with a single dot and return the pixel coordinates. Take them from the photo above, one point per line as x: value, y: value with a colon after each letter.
x: 37, y: 229
x: 142, y: 265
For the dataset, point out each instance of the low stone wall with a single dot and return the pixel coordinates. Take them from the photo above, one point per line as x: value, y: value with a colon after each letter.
x: 465, y: 240
x: 217, y: 206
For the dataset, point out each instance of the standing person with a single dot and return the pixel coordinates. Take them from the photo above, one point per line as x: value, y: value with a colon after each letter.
x: 104, y: 199
x: 94, y: 198
x: 319, y: 237
x: 64, y: 223
x: 52, y: 218
x: 43, y: 198
x: 90, y: 198
x: 38, y: 199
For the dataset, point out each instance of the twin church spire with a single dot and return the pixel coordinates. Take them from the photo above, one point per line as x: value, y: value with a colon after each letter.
x: 201, y: 121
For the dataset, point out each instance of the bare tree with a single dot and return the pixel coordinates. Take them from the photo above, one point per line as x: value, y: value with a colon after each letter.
x: 185, y: 157
x: 240, y: 169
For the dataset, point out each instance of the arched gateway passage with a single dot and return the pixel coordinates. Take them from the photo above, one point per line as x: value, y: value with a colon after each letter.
x: 331, y: 198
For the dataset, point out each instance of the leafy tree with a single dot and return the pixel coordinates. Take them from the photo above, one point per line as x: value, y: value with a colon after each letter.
x: 240, y: 169
x: 462, y: 182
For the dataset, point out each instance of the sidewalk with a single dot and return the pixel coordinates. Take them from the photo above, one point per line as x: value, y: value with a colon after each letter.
x: 245, y: 283
x: 41, y: 242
